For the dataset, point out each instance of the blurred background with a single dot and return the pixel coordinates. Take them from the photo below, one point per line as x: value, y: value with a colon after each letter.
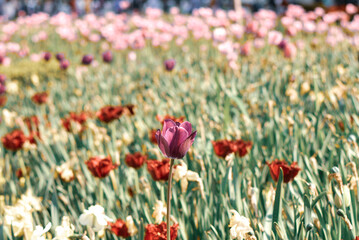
x: 10, y: 9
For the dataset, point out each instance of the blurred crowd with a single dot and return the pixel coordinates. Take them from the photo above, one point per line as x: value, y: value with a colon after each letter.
x: 13, y: 8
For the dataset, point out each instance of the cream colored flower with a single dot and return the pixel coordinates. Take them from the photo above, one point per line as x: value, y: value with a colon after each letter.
x: 159, y: 212
x: 65, y: 230
x: 65, y: 171
x: 30, y: 202
x: 40, y: 231
x: 182, y: 173
x: 19, y: 219
x: 130, y: 224
x: 12, y: 87
x: 94, y: 218
x: 304, y: 88
x: 240, y: 226
x: 9, y: 117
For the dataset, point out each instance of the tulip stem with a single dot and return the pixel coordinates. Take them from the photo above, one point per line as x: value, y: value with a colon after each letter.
x: 169, y: 194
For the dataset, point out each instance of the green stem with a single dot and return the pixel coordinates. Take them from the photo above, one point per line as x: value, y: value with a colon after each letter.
x: 169, y: 201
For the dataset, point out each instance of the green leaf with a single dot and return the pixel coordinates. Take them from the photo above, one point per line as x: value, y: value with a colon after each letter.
x: 277, y: 202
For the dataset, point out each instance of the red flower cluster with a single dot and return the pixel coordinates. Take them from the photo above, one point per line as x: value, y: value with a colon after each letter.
x: 100, y: 166
x: 162, y: 119
x: 40, y: 98
x: 159, y: 231
x: 222, y: 148
x: 159, y: 170
x: 135, y: 160
x: 109, y: 113
x: 14, y: 141
x: 119, y: 228
x: 74, y: 117
x: 289, y: 172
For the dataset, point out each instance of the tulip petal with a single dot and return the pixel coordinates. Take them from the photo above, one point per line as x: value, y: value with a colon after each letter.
x: 168, y: 123
x: 188, y: 126
x: 162, y: 143
x: 184, y: 147
x: 179, y: 137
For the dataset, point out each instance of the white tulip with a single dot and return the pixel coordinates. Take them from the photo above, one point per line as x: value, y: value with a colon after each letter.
x: 94, y: 218
x: 65, y: 230
x: 40, y: 231
x: 159, y: 212
x: 130, y: 224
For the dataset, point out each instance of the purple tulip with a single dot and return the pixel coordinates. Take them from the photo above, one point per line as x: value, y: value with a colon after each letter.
x: 60, y: 56
x: 175, y: 139
x: 47, y: 56
x: 64, y: 64
x: 2, y: 79
x: 87, y: 59
x: 170, y: 64
x: 2, y: 89
x: 107, y: 56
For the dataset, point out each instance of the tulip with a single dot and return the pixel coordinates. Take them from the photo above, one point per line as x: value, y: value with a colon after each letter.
x: 64, y: 64
x: 289, y: 171
x: 47, y: 56
x: 40, y: 98
x: 14, y: 141
x: 2, y: 89
x: 100, y: 166
x: 107, y: 57
x: 109, y: 113
x: 60, y: 56
x: 135, y: 160
x: 2, y: 79
x: 95, y: 218
x: 87, y: 59
x: 170, y: 64
x: 175, y: 139
x: 159, y: 170
x: 159, y: 232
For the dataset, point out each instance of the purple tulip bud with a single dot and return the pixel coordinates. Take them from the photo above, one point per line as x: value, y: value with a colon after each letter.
x: 175, y: 139
x: 107, y: 56
x: 87, y: 59
x: 2, y: 89
x: 64, y: 64
x: 47, y: 56
x: 1, y: 59
x: 2, y: 79
x: 60, y: 56
x: 170, y: 64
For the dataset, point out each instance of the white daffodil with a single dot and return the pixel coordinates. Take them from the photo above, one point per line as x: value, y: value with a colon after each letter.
x: 240, y: 226
x: 65, y: 230
x: 39, y: 232
x: 182, y: 173
x: 159, y: 212
x: 30, y: 202
x: 130, y: 224
x: 9, y: 117
x: 95, y: 218
x: 19, y: 219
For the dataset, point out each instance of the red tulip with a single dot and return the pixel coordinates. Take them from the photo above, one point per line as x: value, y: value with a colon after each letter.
x: 159, y: 170
x: 14, y: 140
x: 40, y: 98
x: 135, y: 160
x: 289, y: 172
x: 159, y: 231
x: 100, y: 166
x: 79, y: 118
x: 3, y: 100
x: 109, y: 113
x: 119, y: 228
x: 152, y: 136
x: 222, y: 148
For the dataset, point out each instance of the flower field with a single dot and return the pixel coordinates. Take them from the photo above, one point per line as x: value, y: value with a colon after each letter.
x: 257, y: 117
